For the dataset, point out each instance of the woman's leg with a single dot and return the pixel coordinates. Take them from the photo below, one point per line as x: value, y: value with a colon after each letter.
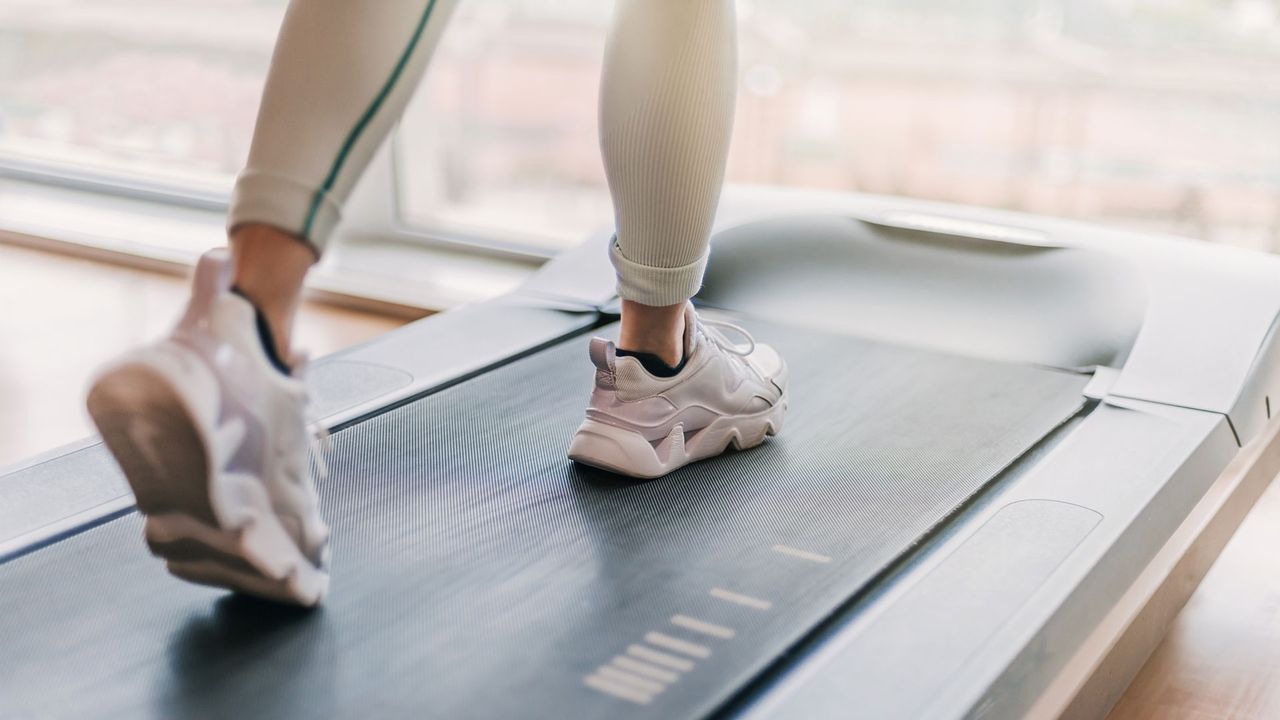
x: 209, y: 424
x: 674, y: 389
x: 340, y: 77
x: 666, y: 115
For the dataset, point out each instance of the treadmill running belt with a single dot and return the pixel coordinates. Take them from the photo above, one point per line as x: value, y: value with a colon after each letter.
x: 478, y: 573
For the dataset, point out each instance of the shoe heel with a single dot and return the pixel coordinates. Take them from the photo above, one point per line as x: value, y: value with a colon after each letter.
x: 625, y: 452
x: 155, y: 440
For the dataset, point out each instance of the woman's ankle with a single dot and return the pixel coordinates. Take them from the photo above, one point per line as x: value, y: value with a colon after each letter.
x: 270, y: 268
x: 655, y: 330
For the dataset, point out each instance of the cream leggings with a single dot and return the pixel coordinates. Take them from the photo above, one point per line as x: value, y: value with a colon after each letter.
x: 343, y: 72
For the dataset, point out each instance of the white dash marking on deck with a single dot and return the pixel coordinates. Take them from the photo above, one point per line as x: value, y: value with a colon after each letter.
x: 740, y: 599
x: 659, y: 658
x: 802, y: 554
x: 653, y: 687
x: 680, y: 646
x: 617, y: 689
x: 644, y: 668
x: 702, y: 626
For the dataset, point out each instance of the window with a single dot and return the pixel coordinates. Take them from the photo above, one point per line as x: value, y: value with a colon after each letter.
x: 161, y: 90
x: 501, y: 139
x: 1160, y: 116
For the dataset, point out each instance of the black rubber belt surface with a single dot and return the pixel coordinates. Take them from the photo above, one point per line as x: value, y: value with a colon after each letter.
x: 478, y: 573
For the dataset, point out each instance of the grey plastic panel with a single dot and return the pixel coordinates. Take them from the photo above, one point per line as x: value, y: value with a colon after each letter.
x: 1140, y: 468
x: 581, y: 276
x: 338, y: 385
x: 1210, y: 308
x: 47, y: 491
x: 455, y: 344
x: 1061, y: 307
x: 1149, y: 502
x: 1259, y: 399
x: 477, y: 573
x: 936, y: 624
x: 79, y: 485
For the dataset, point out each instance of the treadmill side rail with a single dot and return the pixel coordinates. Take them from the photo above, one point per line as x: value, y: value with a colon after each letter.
x: 1136, y: 472
x: 76, y: 487
x: 1095, y: 679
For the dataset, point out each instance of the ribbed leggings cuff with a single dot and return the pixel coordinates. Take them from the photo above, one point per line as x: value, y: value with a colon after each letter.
x: 286, y: 204
x: 656, y: 286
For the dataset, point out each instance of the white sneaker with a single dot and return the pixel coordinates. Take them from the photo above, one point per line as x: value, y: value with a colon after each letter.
x: 213, y: 440
x: 646, y: 426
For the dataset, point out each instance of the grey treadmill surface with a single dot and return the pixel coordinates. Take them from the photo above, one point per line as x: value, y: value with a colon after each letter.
x: 478, y: 573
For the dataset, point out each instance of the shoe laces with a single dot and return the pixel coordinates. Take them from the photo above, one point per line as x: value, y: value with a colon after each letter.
x: 319, y: 441
x: 714, y: 331
x: 321, y: 444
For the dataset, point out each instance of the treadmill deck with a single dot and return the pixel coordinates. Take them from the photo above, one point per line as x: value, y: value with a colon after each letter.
x: 478, y: 573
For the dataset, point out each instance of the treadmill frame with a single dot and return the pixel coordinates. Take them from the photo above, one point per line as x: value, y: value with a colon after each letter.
x: 1157, y: 458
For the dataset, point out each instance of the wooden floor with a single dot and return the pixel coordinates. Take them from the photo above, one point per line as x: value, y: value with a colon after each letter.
x: 61, y: 318
x: 1221, y: 659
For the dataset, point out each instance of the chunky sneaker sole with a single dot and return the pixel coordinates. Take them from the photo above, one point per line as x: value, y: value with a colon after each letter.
x: 157, y: 410
x: 619, y: 450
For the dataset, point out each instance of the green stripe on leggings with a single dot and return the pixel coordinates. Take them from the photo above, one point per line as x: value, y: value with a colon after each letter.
x: 366, y: 118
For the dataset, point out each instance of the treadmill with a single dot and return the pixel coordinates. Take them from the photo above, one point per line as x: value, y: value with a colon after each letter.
x: 1015, y: 445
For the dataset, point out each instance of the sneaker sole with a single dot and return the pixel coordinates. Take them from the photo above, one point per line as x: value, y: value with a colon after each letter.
x: 163, y: 450
x: 627, y: 452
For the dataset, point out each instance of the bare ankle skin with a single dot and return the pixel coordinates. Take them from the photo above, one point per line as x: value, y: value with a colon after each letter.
x: 656, y: 330
x: 270, y: 267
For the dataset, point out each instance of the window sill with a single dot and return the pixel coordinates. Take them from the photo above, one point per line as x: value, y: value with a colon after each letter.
x: 367, y: 272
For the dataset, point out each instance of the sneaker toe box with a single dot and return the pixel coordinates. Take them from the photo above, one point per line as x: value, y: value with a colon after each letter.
x: 770, y: 365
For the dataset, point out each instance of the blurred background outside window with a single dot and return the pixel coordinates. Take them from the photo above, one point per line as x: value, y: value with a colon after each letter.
x: 1159, y: 115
